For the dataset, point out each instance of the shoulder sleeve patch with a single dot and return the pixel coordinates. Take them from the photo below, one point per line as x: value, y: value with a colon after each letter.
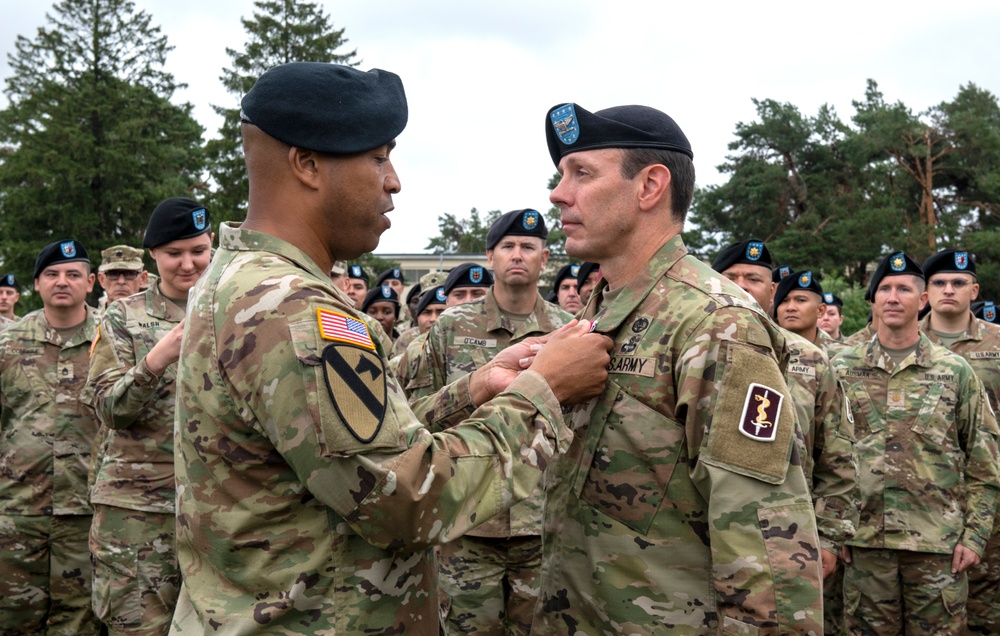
x: 355, y: 380
x: 340, y: 327
x: 97, y: 338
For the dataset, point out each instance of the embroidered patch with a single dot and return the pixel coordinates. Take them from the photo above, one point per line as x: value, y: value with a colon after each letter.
x: 989, y: 311
x: 640, y: 325
x: 466, y: 341
x: 529, y: 220
x: 961, y: 260
x: 805, y: 278
x: 897, y: 262
x: 631, y: 345
x: 754, y: 250
x: 760, y: 413
x: 828, y: 298
x: 198, y: 216
x: 476, y: 274
x: 440, y: 296
x: 355, y: 380
x: 68, y: 249
x: 386, y: 291
x: 632, y: 366
x: 342, y: 328
x: 574, y: 270
x: 564, y: 123
x: 784, y: 272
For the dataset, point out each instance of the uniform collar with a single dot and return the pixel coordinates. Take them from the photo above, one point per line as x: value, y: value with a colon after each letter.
x: 43, y: 332
x: 159, y: 306
x: 974, y: 331
x: 233, y: 237
x: 877, y: 357
x: 538, y: 319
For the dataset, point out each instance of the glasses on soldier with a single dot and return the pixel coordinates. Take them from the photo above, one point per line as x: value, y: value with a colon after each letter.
x: 114, y: 274
x: 957, y: 284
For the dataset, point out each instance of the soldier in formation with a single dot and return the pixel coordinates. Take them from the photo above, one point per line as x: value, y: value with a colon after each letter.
x: 10, y: 293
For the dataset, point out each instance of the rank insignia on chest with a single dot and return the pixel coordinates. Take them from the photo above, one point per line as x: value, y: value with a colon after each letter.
x: 760, y: 413
x: 355, y: 380
x: 343, y: 328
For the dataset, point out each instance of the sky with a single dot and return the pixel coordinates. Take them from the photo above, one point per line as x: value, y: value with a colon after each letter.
x: 480, y: 76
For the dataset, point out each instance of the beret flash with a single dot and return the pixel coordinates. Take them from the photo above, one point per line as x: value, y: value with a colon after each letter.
x: 175, y: 219
x: 468, y: 275
x: 358, y: 272
x: 566, y: 271
x: 985, y: 310
x: 950, y: 261
x: 67, y: 251
x: 327, y: 107
x: 895, y: 264
x: 433, y: 296
x: 750, y: 252
x: 393, y: 273
x: 526, y: 222
x: 8, y: 280
x: 799, y: 280
x: 778, y: 274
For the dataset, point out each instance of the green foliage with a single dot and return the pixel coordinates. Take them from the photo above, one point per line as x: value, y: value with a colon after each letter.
x: 90, y: 142
x: 280, y: 31
x: 375, y: 265
x: 462, y: 235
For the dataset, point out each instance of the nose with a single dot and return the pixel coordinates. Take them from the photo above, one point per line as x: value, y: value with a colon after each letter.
x: 392, y: 183
x: 559, y: 194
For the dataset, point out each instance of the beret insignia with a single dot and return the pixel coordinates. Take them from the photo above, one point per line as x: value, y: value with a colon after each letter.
x: 784, y: 271
x: 828, y: 298
x: 68, y: 249
x: 198, y: 217
x: 961, y: 260
x: 440, y: 295
x: 564, y: 124
x: 530, y: 220
x: 397, y: 274
x: 386, y: 291
x: 989, y: 311
x: 805, y: 278
x: 574, y: 270
x: 476, y: 274
x: 356, y: 271
x: 10, y: 279
x: 897, y: 263
x: 754, y: 250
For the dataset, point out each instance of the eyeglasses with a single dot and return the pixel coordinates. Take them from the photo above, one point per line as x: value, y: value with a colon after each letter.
x: 115, y: 274
x: 957, y: 284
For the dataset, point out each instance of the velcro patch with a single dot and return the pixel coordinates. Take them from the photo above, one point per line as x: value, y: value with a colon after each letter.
x: 761, y: 412
x: 466, y: 341
x: 632, y: 366
x: 802, y: 369
x: 343, y: 328
x: 355, y: 380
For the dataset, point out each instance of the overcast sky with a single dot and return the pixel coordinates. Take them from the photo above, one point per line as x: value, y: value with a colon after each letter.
x: 480, y: 76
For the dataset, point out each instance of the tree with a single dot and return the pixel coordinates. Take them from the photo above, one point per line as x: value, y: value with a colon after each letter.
x: 90, y: 142
x: 280, y: 31
x: 462, y: 236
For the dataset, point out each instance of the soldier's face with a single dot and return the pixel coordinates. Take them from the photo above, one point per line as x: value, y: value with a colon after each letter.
x: 181, y: 263
x: 831, y: 319
x: 898, y: 299
x: 567, y: 297
x: 462, y: 295
x: 951, y: 294
x: 800, y: 311
x: 357, y: 194
x: 397, y: 286
x: 429, y: 316
x: 385, y: 313
x: 754, y: 280
x: 356, y: 290
x: 8, y: 298
x: 121, y: 283
x: 597, y: 204
x: 589, y: 285
x: 65, y: 285
x: 517, y: 261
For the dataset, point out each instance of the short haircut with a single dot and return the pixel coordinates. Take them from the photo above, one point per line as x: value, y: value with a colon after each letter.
x: 681, y: 174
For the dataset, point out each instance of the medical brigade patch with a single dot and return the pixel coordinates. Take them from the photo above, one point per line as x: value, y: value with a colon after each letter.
x: 355, y: 380
x: 760, y: 413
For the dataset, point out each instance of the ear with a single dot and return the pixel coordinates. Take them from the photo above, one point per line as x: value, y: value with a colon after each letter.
x: 489, y: 258
x: 545, y: 257
x: 975, y: 291
x: 305, y: 166
x: 90, y: 283
x: 654, y: 186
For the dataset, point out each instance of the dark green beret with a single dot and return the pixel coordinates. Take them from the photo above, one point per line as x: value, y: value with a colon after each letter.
x: 356, y: 271
x: 566, y: 271
x: 799, y: 280
x: 895, y: 264
x: 950, y: 261
x: 67, y: 251
x: 468, y: 275
x: 393, y: 273
x: 434, y: 296
x: 526, y: 222
x: 327, y: 107
x: 984, y: 310
x: 779, y: 274
x: 175, y: 219
x: 8, y: 280
x: 586, y: 269
x: 751, y: 252
x: 571, y: 128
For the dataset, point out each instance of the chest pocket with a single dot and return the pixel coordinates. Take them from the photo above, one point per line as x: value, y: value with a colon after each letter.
x: 632, y: 453
x: 867, y: 419
x: 936, y: 412
x: 29, y: 387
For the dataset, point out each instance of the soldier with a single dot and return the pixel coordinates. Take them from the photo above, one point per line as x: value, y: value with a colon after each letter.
x: 308, y: 493
x: 382, y: 304
x: 406, y: 363
x: 10, y: 293
x: 489, y: 577
x: 951, y: 287
x: 798, y: 306
x: 357, y: 284
x: 46, y: 429
x: 833, y: 317
x: 826, y: 431
x: 565, y: 290
x: 586, y: 280
x: 121, y: 272
x: 430, y: 280
x: 393, y: 277
x: 927, y: 468
x: 132, y: 373
x: 677, y: 507
x: 338, y: 274
x: 466, y: 283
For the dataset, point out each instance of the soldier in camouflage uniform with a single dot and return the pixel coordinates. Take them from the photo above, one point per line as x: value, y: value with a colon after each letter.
x: 132, y: 366
x: 121, y: 273
x: 825, y: 429
x: 489, y: 577
x: 9, y: 295
x: 46, y: 429
x: 308, y: 493
x: 833, y: 317
x: 405, y: 365
x: 681, y: 506
x: 427, y: 282
x: 952, y: 286
x: 927, y: 468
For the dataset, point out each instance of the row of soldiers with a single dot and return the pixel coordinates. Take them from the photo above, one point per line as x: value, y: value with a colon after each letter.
x: 269, y: 452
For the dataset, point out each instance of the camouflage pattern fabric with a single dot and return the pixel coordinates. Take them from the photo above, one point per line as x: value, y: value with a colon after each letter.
x: 896, y: 592
x: 666, y: 516
x: 6, y: 322
x: 981, y: 349
x: 406, y: 336
x: 404, y: 366
x: 861, y: 336
x: 46, y: 429
x: 136, y: 579
x: 298, y: 510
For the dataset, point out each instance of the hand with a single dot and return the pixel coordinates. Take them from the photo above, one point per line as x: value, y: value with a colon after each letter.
x: 166, y: 351
x: 829, y: 562
x: 574, y: 362
x: 963, y: 559
x: 845, y: 554
x: 487, y: 381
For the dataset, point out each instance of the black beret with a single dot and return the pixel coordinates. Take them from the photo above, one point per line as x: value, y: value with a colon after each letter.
x: 586, y: 269
x: 175, y: 219
x: 895, y: 264
x: 778, y: 274
x: 526, y: 222
x: 571, y: 128
x: 68, y: 251
x: 356, y: 271
x: 382, y: 293
x: 833, y: 299
x: 750, y: 252
x: 566, y: 271
x: 414, y: 291
x: 8, y: 280
x: 393, y: 273
x: 327, y: 107
x: 433, y: 296
x: 985, y: 310
x: 800, y: 280
x: 468, y: 275
x: 950, y: 261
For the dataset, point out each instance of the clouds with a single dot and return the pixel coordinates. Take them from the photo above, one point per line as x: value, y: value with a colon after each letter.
x: 481, y: 76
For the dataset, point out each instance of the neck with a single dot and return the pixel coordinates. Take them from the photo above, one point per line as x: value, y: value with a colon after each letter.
x: 626, y: 265
x: 302, y: 238
x: 7, y: 314
x: 64, y: 318
x: 834, y: 334
x: 947, y: 323
x: 515, y: 300
x: 898, y: 338
x: 809, y: 334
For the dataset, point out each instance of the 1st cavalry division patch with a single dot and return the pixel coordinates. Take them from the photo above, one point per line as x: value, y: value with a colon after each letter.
x: 355, y: 379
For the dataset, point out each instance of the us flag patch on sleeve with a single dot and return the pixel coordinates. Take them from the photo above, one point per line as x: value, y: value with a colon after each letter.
x: 343, y: 328
x: 760, y: 413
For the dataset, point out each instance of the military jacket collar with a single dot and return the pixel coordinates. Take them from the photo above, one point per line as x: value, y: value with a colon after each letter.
x: 39, y: 329
x: 538, y: 319
x: 609, y: 318
x: 877, y: 357
x: 159, y: 306
x: 232, y: 237
x: 975, y: 331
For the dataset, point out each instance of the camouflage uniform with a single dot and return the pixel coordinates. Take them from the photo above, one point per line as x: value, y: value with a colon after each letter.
x: 46, y: 428
x: 132, y: 538
x: 860, y: 336
x: 6, y: 322
x: 288, y: 521
x: 981, y: 349
x: 404, y: 367
x: 489, y: 577
x: 666, y: 516
x: 927, y: 474
x: 406, y: 336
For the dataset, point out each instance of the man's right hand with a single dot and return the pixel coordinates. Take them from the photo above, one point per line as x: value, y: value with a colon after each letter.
x: 575, y: 363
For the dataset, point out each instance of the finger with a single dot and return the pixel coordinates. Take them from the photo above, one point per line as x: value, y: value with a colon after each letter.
x: 956, y: 561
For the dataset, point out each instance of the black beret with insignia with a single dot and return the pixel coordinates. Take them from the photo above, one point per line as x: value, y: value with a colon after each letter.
x: 517, y: 223
x: 414, y: 291
x: 67, y: 251
x: 175, y: 219
x: 8, y: 280
x: 571, y: 128
x: 586, y: 269
x: 433, y: 296
x: 327, y: 107
x: 566, y: 271
x: 895, y: 264
x: 985, y: 310
x: 750, y: 252
x: 950, y: 261
x: 393, y: 273
x: 799, y: 280
x: 468, y: 275
x: 778, y: 274
x: 833, y: 299
x: 358, y: 272
x: 381, y: 293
